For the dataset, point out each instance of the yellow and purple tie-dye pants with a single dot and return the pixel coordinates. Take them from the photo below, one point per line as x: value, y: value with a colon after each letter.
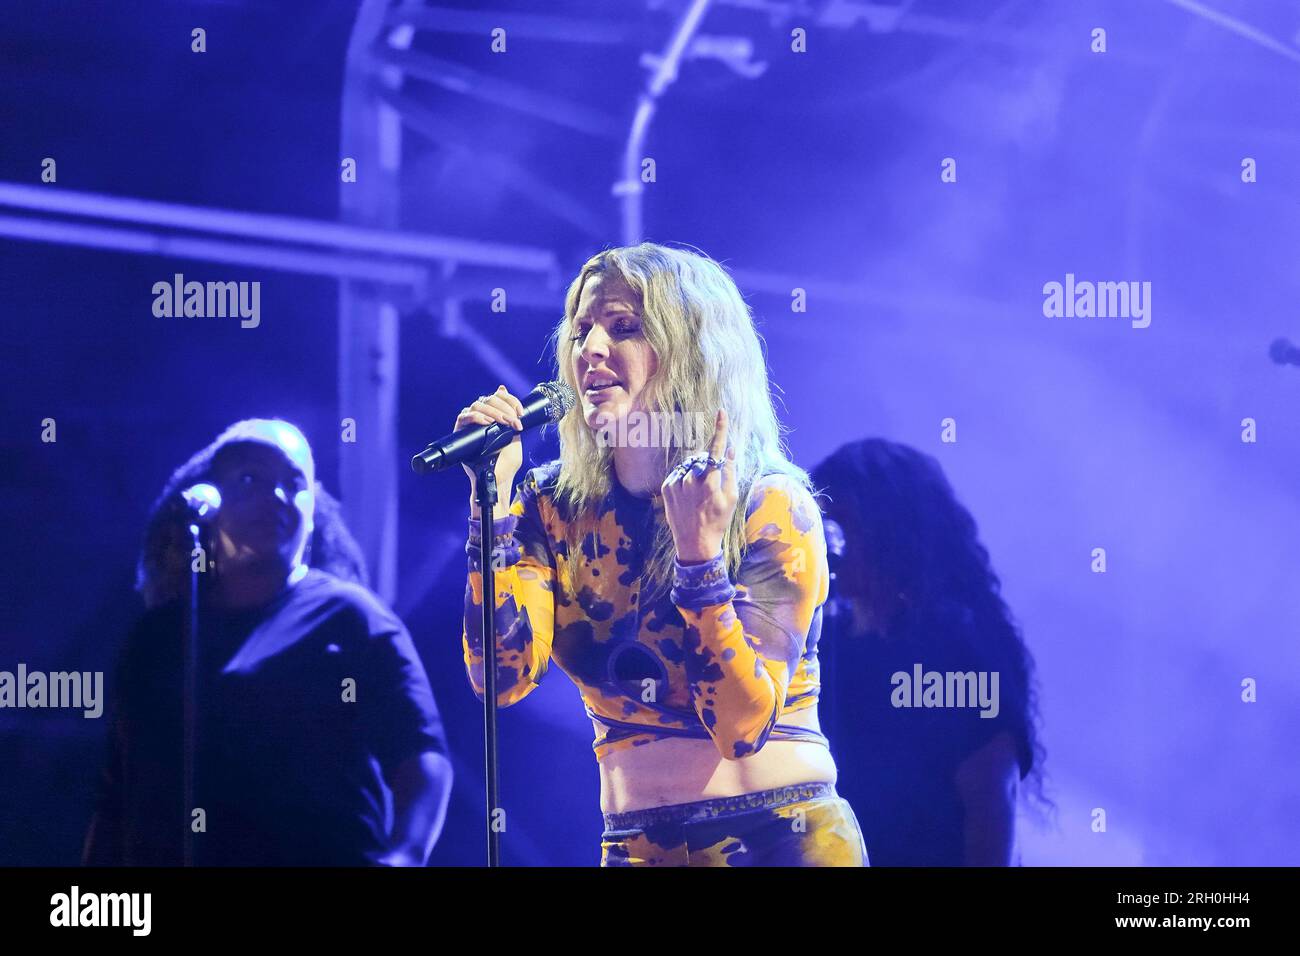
x: 802, y: 825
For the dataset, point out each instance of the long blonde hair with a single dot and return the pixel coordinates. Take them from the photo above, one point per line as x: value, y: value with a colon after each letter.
x: 710, y: 356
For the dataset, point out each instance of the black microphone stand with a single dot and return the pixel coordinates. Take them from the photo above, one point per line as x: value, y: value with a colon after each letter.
x: 485, y: 489
x: 189, y: 667
x: 554, y: 399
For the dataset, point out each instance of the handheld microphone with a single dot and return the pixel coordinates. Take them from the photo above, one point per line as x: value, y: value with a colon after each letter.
x: 203, y: 500
x: 548, y: 402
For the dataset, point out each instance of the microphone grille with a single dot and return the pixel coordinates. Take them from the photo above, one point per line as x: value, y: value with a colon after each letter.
x: 560, y: 399
x: 204, y: 500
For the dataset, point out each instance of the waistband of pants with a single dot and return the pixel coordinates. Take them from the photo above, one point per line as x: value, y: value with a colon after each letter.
x: 680, y: 813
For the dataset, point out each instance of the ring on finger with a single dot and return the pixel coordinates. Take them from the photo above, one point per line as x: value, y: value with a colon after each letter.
x: 689, y: 464
x: 707, y: 460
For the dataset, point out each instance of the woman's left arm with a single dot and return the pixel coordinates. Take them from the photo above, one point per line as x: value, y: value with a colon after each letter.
x: 743, y: 642
x: 987, y: 783
x: 404, y: 733
x: 421, y: 787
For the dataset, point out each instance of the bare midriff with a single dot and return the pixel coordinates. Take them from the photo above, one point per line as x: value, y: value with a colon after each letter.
x: 686, y: 769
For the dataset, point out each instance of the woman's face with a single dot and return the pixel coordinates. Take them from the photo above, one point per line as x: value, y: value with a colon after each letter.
x: 871, y: 599
x: 609, y: 346
x: 267, y: 506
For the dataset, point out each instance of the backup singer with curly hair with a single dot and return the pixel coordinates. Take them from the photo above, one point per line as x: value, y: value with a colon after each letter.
x: 915, y: 589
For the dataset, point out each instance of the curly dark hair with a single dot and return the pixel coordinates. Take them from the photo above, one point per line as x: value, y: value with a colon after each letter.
x: 918, y: 541
x: 162, y: 574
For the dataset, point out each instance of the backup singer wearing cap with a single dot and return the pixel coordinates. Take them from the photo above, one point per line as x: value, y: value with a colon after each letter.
x: 313, y: 709
x: 676, y: 574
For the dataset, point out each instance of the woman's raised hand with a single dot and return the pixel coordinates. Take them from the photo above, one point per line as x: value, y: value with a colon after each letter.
x: 699, y: 504
x: 501, y: 407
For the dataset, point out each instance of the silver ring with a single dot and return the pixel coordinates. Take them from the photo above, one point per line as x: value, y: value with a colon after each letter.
x: 688, y: 464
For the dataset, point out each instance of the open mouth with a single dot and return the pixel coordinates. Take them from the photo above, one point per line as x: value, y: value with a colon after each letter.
x: 604, y: 386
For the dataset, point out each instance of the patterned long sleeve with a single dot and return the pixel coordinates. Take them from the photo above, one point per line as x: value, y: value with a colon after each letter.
x: 743, y: 641
x: 524, y: 602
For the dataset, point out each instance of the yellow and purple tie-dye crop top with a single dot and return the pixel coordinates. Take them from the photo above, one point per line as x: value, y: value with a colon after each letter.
x: 712, y: 658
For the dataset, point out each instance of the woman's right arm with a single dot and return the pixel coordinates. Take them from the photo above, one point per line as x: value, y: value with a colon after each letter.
x: 524, y: 573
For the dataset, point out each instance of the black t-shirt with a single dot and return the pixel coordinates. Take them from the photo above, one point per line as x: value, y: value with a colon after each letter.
x: 897, y: 765
x: 301, y: 706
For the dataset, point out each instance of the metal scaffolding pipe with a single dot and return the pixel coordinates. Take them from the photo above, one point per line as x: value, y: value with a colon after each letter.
x: 263, y: 226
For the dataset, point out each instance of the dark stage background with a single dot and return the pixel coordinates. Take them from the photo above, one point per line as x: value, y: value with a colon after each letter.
x: 925, y: 302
